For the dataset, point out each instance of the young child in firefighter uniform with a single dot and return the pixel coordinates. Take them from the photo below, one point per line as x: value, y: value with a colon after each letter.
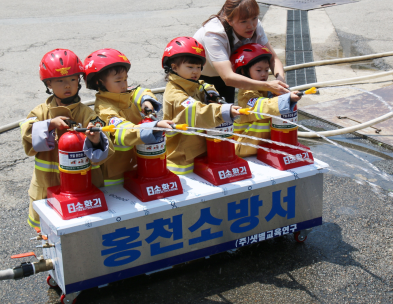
x: 188, y: 100
x: 252, y: 60
x: 60, y: 71
x: 118, y: 105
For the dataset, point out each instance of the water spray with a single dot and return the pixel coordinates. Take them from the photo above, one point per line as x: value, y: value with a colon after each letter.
x: 248, y: 111
x: 357, y: 127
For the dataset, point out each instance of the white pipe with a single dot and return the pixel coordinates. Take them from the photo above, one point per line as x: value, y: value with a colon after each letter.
x: 300, y: 134
x: 302, y: 87
x: 339, y: 81
x: 87, y: 102
x: 348, y: 129
x: 158, y: 90
x: 334, y: 61
x: 10, y: 126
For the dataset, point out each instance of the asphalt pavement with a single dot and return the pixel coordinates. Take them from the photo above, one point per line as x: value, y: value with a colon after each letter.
x: 346, y: 260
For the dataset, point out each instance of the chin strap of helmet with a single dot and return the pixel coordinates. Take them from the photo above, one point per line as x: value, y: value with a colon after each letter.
x: 169, y: 70
x: 69, y: 100
x: 246, y: 71
x: 101, y: 86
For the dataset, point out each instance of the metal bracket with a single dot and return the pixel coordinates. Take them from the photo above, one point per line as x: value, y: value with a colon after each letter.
x: 69, y: 298
x: 346, y: 117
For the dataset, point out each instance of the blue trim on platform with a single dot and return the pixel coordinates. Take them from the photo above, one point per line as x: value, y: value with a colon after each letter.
x: 182, y: 258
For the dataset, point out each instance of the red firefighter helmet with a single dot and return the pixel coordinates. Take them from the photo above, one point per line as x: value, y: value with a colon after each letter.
x: 183, y: 46
x: 101, y: 60
x: 247, y: 54
x: 60, y: 63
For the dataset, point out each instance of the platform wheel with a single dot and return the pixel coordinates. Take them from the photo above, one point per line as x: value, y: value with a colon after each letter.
x: 51, y: 282
x: 299, y: 238
x: 65, y: 300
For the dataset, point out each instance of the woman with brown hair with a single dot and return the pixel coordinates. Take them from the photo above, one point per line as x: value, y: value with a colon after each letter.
x: 236, y: 24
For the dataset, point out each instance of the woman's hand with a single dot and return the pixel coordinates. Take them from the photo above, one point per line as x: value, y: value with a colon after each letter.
x: 277, y: 87
x: 224, y: 69
x: 280, y: 78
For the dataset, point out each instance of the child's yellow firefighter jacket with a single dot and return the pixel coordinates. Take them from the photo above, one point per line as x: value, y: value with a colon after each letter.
x: 256, y: 124
x: 123, y: 111
x: 44, y: 147
x: 183, y: 104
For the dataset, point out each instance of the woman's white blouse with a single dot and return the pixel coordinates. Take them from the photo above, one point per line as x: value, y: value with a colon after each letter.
x: 215, y: 40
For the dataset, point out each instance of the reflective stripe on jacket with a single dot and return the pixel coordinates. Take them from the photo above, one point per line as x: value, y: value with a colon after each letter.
x: 112, y: 182
x: 177, y: 169
x: 254, y: 124
x: 46, y: 166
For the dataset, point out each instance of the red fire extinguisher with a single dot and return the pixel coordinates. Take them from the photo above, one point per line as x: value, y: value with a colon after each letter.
x: 285, y: 132
x: 74, y: 166
x: 75, y: 196
x: 152, y: 180
x: 221, y: 165
x: 153, y: 155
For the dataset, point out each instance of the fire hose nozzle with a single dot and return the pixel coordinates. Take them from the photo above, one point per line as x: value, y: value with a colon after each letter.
x: 312, y: 90
x: 183, y: 127
x: 245, y: 111
x: 110, y: 128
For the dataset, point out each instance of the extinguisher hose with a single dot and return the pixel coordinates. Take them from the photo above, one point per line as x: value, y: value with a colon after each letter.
x: 110, y: 128
x: 26, y: 269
